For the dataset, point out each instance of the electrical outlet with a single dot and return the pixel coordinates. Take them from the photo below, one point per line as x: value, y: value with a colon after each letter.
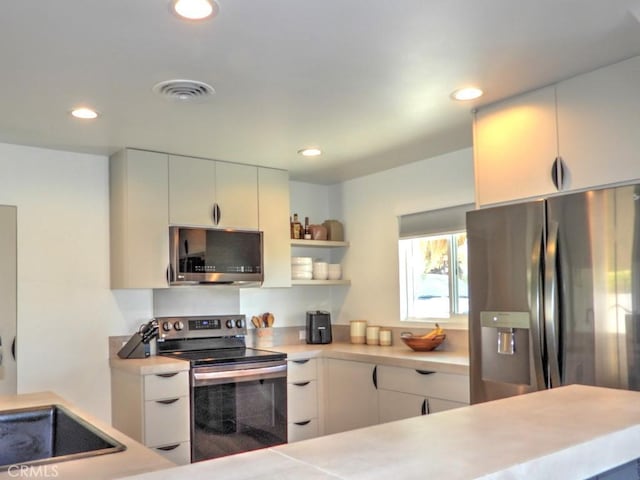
x: 302, y: 335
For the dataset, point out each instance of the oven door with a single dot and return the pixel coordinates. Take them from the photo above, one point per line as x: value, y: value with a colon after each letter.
x: 237, y: 408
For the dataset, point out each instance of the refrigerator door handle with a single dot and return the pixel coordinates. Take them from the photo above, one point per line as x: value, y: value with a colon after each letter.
x: 550, y: 304
x: 534, y: 282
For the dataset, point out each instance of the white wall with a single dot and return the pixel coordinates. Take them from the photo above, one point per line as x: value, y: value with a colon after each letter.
x: 66, y: 310
x: 289, y: 305
x: 65, y: 307
x: 369, y: 207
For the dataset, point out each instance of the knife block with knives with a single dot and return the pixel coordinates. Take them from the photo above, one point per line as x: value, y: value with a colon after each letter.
x: 138, y: 345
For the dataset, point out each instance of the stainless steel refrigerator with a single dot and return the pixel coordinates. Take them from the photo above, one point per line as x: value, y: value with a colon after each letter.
x: 554, y: 293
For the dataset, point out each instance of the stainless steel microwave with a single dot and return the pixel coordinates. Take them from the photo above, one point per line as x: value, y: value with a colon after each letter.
x: 210, y: 255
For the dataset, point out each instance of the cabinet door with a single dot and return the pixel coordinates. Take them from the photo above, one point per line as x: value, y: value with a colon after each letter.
x: 352, y: 398
x: 237, y: 195
x: 138, y: 183
x: 302, y: 401
x: 192, y: 190
x: 514, y: 146
x: 598, y: 118
x: 398, y: 405
x: 273, y: 199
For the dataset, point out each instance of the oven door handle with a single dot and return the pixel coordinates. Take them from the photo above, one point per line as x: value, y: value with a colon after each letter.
x: 236, y: 376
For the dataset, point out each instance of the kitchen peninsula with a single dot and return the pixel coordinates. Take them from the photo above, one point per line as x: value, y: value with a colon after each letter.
x: 571, y: 432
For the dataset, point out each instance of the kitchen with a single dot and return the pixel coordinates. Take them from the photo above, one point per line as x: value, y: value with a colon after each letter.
x: 67, y: 311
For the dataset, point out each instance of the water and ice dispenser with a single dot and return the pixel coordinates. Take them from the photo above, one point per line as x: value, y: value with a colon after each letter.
x: 505, y: 347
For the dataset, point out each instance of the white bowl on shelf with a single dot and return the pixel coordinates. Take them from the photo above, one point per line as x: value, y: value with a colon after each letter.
x: 334, y: 271
x: 320, y: 270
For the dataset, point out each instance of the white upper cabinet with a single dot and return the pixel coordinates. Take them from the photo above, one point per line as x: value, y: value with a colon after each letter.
x: 212, y: 193
x: 138, y: 219
x: 590, y: 121
x: 514, y: 147
x: 273, y: 195
x: 598, y: 122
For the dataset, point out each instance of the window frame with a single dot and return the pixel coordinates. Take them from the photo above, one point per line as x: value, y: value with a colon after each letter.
x: 406, y: 281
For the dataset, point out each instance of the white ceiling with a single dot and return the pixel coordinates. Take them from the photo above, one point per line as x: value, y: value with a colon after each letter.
x: 366, y: 80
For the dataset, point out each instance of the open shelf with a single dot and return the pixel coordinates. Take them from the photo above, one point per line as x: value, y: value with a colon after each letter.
x: 318, y: 243
x: 320, y: 282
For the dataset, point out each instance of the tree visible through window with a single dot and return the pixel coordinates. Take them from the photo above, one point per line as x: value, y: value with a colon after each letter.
x: 433, y: 276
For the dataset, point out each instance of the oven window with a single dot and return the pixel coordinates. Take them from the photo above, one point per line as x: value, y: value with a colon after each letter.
x: 238, y: 417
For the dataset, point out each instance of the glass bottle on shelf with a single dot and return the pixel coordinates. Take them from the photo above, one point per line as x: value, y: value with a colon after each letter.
x: 297, y: 227
x: 307, y: 229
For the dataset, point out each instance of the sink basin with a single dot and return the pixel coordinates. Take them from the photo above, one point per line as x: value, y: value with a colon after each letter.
x: 47, y: 434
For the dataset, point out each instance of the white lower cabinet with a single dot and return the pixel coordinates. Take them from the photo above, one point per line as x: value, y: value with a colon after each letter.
x: 154, y: 410
x: 351, y: 396
x: 406, y: 392
x: 302, y: 399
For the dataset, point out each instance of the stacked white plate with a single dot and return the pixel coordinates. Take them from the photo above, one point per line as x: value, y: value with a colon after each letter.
x: 301, y: 268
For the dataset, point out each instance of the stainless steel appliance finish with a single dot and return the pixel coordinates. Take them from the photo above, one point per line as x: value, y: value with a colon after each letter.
x: 210, y: 255
x: 554, y: 293
x: 238, y: 395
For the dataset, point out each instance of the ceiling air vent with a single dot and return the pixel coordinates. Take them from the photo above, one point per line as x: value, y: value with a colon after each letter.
x: 184, y: 90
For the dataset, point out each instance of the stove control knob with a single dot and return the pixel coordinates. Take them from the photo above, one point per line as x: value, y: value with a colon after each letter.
x: 166, y: 326
x: 229, y: 323
x: 178, y: 325
x: 240, y: 323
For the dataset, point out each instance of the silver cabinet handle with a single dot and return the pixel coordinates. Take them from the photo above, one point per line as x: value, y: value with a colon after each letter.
x: 558, y: 173
x: 301, y: 384
x: 167, y: 402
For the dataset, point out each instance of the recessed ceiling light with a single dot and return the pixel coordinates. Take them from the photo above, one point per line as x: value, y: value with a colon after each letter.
x: 84, y: 113
x: 195, y: 9
x: 467, y: 93
x: 310, y: 152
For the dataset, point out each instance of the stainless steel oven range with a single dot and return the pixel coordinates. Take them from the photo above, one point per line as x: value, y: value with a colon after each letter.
x: 238, y: 394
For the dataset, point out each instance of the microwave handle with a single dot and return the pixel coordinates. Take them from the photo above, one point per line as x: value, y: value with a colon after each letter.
x: 216, y: 214
x: 170, y: 274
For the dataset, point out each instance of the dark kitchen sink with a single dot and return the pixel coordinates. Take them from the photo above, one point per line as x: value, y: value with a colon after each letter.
x: 47, y: 434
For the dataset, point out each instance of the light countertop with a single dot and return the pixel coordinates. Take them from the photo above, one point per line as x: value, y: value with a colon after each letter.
x: 135, y: 459
x: 571, y: 432
x: 396, y: 355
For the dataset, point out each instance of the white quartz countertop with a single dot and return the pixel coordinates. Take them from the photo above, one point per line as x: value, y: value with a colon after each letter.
x: 396, y: 355
x: 571, y: 432
x: 135, y: 459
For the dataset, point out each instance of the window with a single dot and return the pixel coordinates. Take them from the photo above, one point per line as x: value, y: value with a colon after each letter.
x: 433, y: 264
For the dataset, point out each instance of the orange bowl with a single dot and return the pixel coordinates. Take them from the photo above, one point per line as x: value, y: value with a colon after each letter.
x: 419, y: 344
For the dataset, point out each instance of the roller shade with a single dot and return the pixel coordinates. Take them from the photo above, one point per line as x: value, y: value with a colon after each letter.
x: 434, y: 222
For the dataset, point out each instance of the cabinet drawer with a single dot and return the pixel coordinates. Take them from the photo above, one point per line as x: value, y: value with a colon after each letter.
x: 301, y: 370
x: 166, y: 422
x: 302, y: 403
x: 168, y: 385
x: 302, y: 430
x: 439, y: 385
x: 178, y: 453
x: 439, y: 405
